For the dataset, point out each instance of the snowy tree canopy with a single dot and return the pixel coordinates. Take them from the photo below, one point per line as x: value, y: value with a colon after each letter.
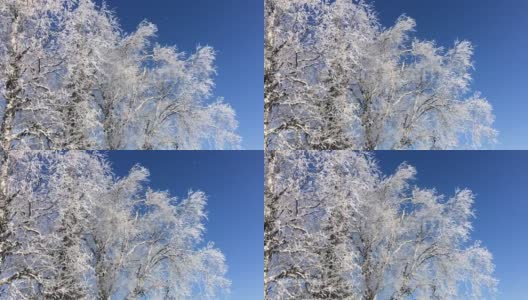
x: 72, y: 79
x: 70, y: 229
x: 334, y: 78
x: 337, y: 228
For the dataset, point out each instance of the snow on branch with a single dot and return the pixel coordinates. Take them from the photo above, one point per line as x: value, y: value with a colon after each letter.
x: 72, y: 73
x: 346, y: 82
x: 72, y: 230
x: 335, y: 227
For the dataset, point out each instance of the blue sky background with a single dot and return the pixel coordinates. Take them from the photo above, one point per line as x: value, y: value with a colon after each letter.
x: 234, y: 182
x: 500, y: 182
x: 499, y: 32
x: 234, y: 28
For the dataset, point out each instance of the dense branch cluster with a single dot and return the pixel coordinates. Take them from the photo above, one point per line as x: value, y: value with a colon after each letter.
x: 71, y: 230
x: 71, y: 79
x: 337, y: 228
x: 336, y: 79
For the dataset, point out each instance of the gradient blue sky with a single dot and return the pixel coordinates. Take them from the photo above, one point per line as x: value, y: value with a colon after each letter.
x: 499, y: 31
x: 234, y: 28
x: 234, y: 182
x: 500, y: 182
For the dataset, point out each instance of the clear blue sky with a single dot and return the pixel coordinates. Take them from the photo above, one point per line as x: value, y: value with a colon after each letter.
x: 234, y: 182
x: 500, y: 182
x: 234, y: 28
x: 499, y: 31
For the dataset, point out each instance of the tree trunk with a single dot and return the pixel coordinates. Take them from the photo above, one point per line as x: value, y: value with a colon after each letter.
x: 367, y: 122
x: 269, y: 214
x: 270, y: 67
x: 13, y: 89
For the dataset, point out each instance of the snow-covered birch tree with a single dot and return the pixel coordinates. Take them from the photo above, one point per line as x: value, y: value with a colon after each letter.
x: 335, y: 78
x: 337, y: 228
x: 73, y: 230
x: 284, y: 232
x: 72, y: 79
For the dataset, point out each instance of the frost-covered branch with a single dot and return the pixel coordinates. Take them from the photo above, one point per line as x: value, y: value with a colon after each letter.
x: 337, y: 228
x: 336, y: 79
x: 75, y: 231
x: 70, y: 71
